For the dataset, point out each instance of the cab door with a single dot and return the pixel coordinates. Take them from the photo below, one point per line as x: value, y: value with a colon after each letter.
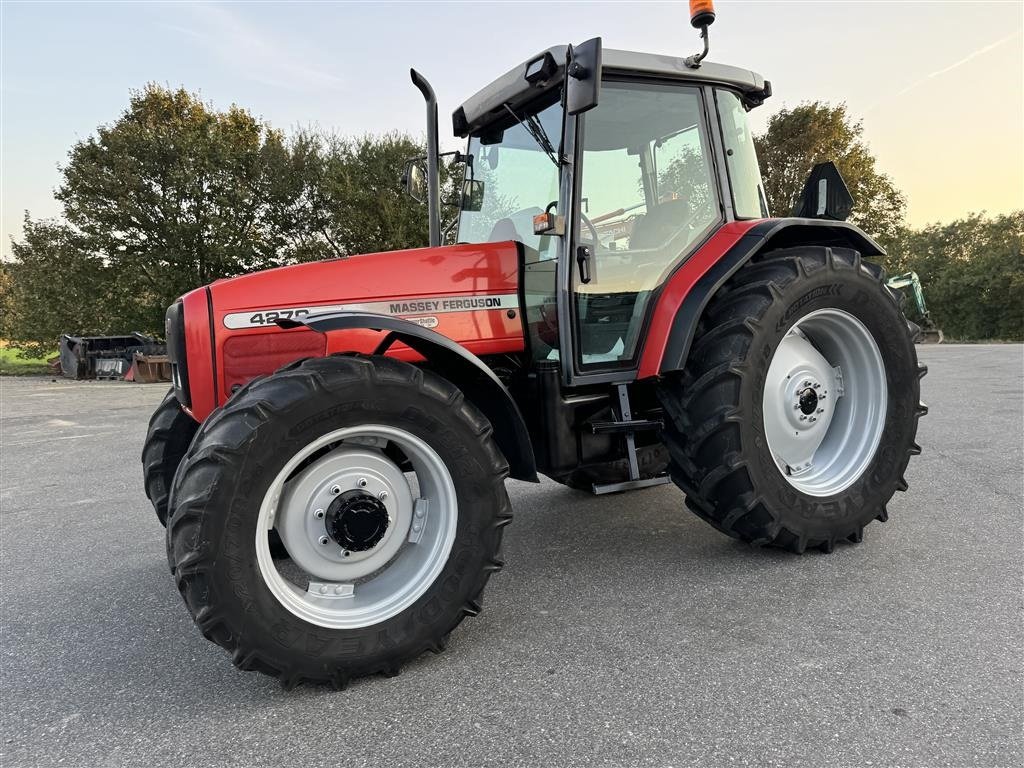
x: 646, y: 195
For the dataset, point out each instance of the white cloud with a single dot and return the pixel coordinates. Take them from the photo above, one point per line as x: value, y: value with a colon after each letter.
x: 969, y: 57
x: 258, y: 55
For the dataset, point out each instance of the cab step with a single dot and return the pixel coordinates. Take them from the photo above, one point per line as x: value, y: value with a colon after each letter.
x: 628, y: 426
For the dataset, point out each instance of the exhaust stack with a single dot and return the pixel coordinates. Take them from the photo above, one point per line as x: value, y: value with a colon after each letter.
x: 433, y: 179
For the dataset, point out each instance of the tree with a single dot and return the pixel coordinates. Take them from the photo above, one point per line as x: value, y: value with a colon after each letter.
x: 175, y: 194
x: 54, y: 285
x: 355, y: 202
x: 972, y: 271
x: 798, y: 138
x: 180, y: 193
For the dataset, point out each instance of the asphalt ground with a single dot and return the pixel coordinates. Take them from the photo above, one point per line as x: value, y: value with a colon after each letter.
x: 623, y: 632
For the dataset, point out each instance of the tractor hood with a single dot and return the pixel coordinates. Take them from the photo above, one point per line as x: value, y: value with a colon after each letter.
x: 423, y: 281
x: 227, y: 332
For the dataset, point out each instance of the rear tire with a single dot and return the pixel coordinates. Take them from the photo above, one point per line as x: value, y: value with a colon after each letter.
x: 170, y: 433
x: 242, y: 467
x: 720, y: 424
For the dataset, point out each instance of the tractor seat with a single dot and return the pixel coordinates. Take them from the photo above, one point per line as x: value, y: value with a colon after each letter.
x: 504, y: 229
x: 660, y: 225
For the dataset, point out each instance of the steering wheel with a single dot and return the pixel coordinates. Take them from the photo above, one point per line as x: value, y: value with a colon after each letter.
x: 592, y: 228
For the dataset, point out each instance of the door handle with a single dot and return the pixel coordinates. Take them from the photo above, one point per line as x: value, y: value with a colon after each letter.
x: 583, y: 261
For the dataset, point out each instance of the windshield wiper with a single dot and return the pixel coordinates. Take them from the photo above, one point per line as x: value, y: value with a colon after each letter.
x: 536, y: 130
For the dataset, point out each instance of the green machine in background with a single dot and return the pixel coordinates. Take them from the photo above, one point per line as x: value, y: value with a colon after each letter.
x: 930, y: 334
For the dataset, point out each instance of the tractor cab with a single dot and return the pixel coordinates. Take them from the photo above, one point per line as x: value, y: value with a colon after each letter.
x: 608, y: 196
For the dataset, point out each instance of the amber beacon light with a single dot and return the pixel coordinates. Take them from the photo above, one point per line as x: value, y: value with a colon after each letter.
x: 702, y: 13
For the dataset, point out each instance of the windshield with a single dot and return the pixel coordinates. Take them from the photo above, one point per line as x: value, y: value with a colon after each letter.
x: 520, y: 180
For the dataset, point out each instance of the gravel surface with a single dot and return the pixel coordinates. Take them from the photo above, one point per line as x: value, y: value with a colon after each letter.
x: 623, y: 632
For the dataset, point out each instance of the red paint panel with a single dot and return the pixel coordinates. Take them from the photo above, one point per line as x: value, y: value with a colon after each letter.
x: 453, y: 272
x: 249, y: 355
x: 678, y: 286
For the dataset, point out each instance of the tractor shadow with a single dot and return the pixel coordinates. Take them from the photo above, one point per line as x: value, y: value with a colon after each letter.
x: 636, y: 563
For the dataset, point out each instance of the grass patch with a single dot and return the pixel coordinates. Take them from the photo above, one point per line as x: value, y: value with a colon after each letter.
x: 14, y: 363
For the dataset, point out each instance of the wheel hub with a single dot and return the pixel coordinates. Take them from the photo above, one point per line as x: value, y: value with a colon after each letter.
x: 806, y: 393
x: 808, y: 401
x: 346, y: 515
x: 357, y: 521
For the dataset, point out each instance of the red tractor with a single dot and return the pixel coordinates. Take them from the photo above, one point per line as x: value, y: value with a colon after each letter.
x: 618, y: 311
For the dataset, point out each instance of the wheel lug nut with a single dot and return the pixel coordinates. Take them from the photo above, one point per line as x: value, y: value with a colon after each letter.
x: 382, y: 495
x: 324, y: 541
x: 335, y: 489
x: 361, y: 482
x: 345, y: 553
x: 821, y: 410
x: 817, y: 386
x: 318, y: 514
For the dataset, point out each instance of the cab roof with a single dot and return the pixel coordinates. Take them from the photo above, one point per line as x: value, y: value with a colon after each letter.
x: 488, y: 104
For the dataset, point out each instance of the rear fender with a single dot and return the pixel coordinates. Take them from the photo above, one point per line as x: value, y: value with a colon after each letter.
x: 459, y: 366
x: 679, y: 306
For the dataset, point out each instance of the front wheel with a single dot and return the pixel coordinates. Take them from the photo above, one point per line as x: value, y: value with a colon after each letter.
x: 796, y: 415
x: 387, y: 492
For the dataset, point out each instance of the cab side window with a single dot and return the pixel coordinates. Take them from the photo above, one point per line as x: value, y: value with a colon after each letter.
x: 647, y: 196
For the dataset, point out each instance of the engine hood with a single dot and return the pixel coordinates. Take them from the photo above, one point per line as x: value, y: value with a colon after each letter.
x: 468, y: 293
x: 416, y: 281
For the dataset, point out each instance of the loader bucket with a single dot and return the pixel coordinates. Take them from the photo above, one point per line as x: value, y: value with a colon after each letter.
x: 149, y: 369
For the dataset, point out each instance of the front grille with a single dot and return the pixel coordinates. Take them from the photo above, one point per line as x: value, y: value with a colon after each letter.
x: 174, y: 330
x: 249, y: 355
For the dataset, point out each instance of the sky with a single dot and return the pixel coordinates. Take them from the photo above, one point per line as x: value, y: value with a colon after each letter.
x: 939, y: 85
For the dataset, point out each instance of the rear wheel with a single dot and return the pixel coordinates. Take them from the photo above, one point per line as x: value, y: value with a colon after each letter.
x: 385, y: 488
x: 170, y: 432
x: 795, y: 417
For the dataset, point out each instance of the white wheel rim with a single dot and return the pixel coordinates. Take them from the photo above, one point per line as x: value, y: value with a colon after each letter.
x: 824, y: 402
x: 361, y: 588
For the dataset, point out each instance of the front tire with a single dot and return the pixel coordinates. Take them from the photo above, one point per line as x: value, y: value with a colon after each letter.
x: 383, y: 564
x: 795, y: 417
x: 169, y: 435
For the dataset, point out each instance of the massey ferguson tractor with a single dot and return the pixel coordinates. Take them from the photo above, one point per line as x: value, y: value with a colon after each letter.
x: 617, y: 311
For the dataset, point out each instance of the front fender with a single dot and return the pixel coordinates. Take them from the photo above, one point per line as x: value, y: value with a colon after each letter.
x: 462, y: 368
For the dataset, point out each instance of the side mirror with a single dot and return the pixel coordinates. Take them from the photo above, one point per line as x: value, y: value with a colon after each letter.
x: 414, y: 179
x: 583, y: 76
x: 472, y: 195
x: 825, y: 195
